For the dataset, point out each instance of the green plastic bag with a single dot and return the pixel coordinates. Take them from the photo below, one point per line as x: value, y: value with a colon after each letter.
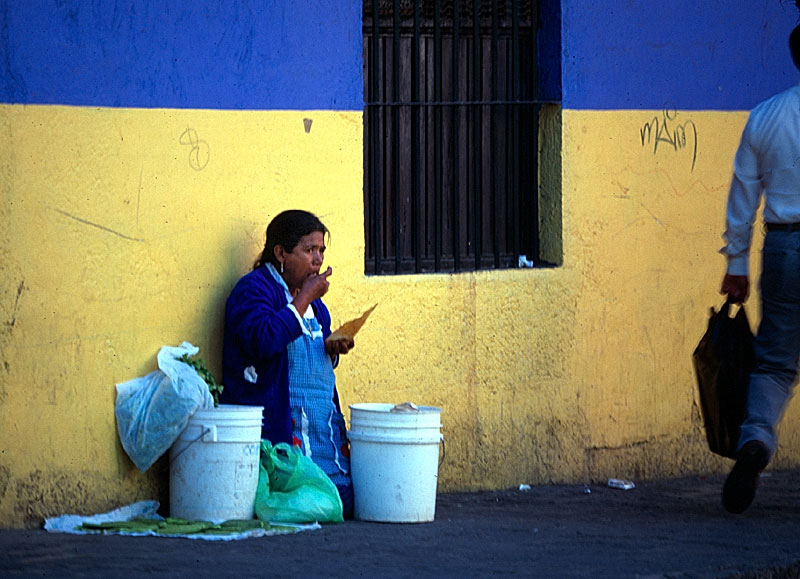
x: 292, y: 489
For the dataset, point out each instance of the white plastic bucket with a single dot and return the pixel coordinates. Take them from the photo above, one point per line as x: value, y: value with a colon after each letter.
x: 213, y: 473
x: 394, y: 462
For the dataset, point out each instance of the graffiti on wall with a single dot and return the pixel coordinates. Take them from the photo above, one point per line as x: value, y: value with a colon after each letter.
x: 666, y: 131
x: 199, y: 153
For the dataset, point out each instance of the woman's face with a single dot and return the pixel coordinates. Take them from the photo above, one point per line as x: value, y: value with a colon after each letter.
x: 304, y: 260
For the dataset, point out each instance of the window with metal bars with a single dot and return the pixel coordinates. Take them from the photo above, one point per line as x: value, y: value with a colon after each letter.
x: 450, y: 135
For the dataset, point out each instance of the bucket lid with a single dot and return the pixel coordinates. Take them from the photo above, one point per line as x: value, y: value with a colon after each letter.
x: 383, y: 407
x: 229, y: 412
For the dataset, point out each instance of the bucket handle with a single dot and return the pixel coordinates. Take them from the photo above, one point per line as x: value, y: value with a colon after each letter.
x: 205, y: 431
x: 444, y: 452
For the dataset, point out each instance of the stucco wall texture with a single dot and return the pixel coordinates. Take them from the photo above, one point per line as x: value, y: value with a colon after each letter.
x: 126, y: 227
x: 126, y: 233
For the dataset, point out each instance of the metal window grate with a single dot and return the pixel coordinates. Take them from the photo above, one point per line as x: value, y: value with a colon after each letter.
x: 450, y: 148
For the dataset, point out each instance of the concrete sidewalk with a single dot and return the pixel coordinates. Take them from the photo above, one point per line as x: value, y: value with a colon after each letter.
x: 671, y: 528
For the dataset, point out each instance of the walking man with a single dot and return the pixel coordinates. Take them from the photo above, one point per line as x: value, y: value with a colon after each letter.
x: 767, y: 162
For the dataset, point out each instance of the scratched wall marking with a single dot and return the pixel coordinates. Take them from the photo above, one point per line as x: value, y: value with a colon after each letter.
x: 15, y: 309
x: 98, y: 226
x: 200, y: 152
x: 668, y: 132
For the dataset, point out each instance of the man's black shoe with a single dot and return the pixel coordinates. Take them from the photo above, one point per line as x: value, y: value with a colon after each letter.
x: 740, y: 486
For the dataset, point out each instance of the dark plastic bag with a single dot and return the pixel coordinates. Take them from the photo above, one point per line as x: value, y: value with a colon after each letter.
x: 723, y: 361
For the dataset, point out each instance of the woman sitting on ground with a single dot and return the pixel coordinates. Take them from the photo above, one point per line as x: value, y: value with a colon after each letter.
x: 275, y: 352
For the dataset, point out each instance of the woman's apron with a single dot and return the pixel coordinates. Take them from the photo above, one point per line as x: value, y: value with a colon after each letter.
x: 317, y: 424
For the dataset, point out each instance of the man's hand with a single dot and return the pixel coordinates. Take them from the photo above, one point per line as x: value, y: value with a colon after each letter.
x: 736, y: 287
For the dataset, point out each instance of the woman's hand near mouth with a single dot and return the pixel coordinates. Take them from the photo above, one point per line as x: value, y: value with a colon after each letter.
x: 314, y: 286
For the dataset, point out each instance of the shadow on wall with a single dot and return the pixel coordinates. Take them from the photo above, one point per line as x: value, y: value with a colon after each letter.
x: 206, y: 332
x: 242, y: 256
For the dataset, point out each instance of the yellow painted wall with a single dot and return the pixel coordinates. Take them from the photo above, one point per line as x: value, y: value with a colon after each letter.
x: 125, y: 230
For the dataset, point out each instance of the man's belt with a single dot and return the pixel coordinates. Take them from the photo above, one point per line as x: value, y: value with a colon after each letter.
x: 783, y: 226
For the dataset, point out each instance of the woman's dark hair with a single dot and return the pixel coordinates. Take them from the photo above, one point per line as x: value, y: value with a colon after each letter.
x: 285, y: 230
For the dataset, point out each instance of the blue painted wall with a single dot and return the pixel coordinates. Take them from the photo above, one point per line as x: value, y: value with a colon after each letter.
x: 688, y: 54
x: 306, y: 54
x: 232, y: 54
